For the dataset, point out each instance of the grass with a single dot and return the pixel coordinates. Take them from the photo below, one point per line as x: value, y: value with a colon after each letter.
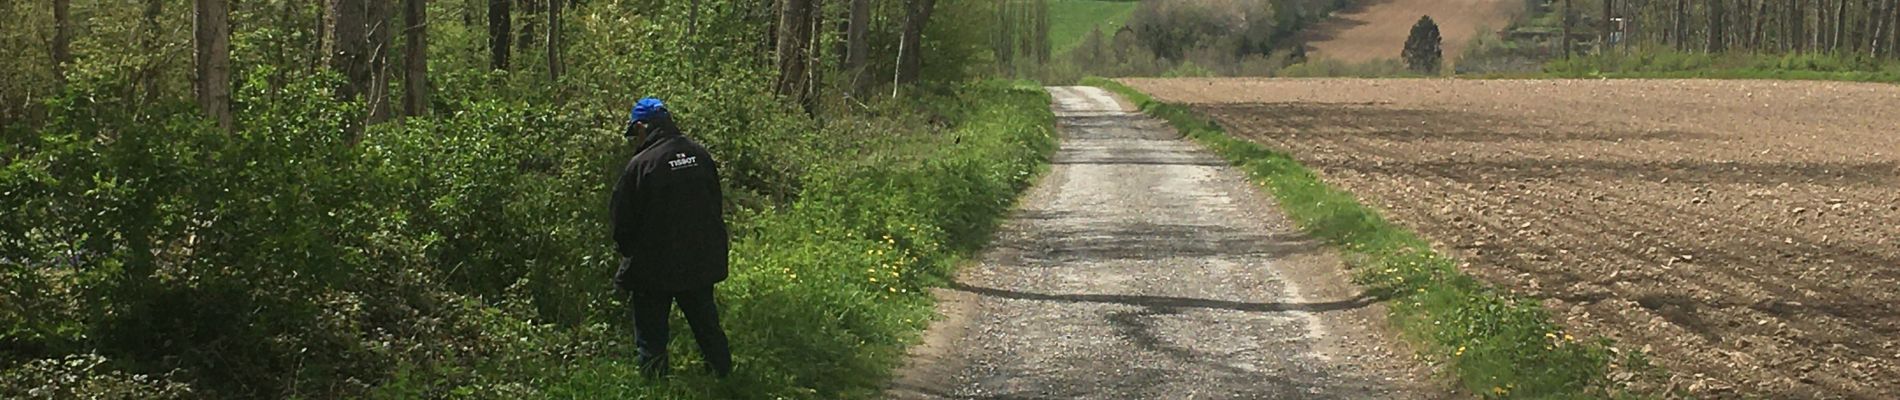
x: 826, y: 294
x: 1071, y: 20
x: 1494, y: 344
x: 1680, y: 65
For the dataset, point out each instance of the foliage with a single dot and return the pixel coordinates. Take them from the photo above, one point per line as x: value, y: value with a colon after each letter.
x: 1175, y: 37
x: 1498, y: 345
x: 463, y: 254
x: 1423, y: 51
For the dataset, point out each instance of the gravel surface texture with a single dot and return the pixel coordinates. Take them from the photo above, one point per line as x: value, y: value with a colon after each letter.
x: 1143, y: 267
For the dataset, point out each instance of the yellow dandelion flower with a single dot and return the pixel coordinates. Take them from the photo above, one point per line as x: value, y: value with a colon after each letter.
x: 1499, y: 390
x: 1461, y: 351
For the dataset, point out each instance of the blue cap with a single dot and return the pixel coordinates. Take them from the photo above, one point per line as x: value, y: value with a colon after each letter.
x: 648, y: 108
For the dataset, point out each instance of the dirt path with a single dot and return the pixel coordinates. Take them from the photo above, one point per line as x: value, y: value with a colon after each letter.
x: 1377, y: 28
x: 1143, y: 267
x: 1745, y: 232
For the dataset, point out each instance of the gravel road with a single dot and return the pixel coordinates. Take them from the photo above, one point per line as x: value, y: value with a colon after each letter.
x: 1143, y: 267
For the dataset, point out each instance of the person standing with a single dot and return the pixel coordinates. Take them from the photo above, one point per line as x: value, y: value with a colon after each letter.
x: 668, y: 226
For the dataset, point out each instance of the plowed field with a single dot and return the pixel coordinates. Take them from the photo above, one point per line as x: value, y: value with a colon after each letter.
x: 1745, y: 233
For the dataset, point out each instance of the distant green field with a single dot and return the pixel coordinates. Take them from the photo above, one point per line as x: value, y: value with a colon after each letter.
x: 1071, y: 20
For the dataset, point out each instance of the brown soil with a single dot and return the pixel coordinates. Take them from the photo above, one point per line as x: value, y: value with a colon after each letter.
x: 1377, y: 29
x: 1743, y: 232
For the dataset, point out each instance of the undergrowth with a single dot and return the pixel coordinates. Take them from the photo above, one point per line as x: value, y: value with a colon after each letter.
x: 1495, y: 344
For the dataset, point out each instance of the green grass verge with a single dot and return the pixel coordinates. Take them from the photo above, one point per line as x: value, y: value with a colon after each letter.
x: 826, y: 295
x: 1680, y: 65
x: 1494, y: 343
x: 1071, y: 20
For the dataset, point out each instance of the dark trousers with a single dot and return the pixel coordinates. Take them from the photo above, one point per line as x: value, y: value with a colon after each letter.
x: 650, y: 330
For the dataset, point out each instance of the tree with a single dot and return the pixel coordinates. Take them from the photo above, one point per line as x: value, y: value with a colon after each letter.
x: 524, y: 38
x: 346, y: 53
x: 1423, y: 51
x: 1564, y: 20
x: 910, y: 61
x: 794, y: 39
x: 1681, y: 20
x: 380, y: 36
x: 148, y: 42
x: 498, y: 30
x: 858, y: 44
x: 415, y: 79
x: 1717, y: 33
x: 62, y: 38
x: 555, y: 65
x: 211, y: 37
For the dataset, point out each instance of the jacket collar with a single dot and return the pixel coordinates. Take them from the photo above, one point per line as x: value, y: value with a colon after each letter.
x: 657, y: 133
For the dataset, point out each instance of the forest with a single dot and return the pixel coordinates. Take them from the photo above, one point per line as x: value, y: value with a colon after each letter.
x: 352, y: 198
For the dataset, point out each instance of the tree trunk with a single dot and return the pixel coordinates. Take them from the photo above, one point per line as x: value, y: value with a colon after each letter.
x: 62, y: 39
x: 1718, y: 35
x: 1682, y: 25
x: 1840, y: 24
x: 910, y: 63
x: 1564, y: 20
x: 525, y: 34
x: 555, y: 65
x: 1758, y: 31
x: 498, y: 34
x: 148, y: 42
x: 381, y: 33
x: 794, y: 37
x: 858, y: 45
x: 415, y: 79
x: 1877, y: 27
x: 211, y: 34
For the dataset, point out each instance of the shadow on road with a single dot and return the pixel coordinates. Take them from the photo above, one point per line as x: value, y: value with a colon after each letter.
x: 1167, y: 301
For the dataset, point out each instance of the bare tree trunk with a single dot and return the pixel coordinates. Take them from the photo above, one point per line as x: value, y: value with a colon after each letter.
x: 62, y: 39
x: 347, y: 52
x: 794, y: 37
x: 1758, y: 33
x: 910, y: 63
x: 415, y: 79
x: 381, y: 31
x: 1681, y: 35
x: 555, y: 66
x: 1717, y: 33
x: 1893, y: 29
x: 814, y: 55
x: 1877, y: 27
x: 498, y: 34
x: 211, y: 33
x: 858, y: 45
x: 1840, y: 24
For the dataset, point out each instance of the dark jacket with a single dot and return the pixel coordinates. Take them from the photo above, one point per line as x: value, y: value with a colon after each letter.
x: 666, y: 213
